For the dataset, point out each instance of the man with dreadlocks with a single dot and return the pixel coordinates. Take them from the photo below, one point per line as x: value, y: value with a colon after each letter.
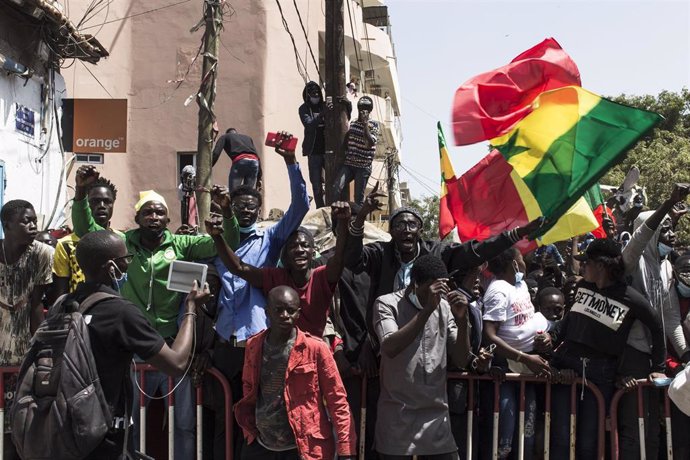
x: 67, y: 274
x: 315, y: 286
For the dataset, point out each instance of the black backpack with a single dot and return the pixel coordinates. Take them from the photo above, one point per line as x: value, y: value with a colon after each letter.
x: 60, y: 411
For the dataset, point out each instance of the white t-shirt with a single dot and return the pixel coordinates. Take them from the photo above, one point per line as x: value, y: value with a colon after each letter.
x: 512, y: 307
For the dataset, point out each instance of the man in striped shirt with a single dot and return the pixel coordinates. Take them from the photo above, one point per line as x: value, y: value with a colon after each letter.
x: 360, y: 144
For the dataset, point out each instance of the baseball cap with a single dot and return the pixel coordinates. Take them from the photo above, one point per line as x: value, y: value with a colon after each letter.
x: 601, y: 247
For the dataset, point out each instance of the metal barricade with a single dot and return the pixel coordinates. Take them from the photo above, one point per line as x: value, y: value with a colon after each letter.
x: 641, y: 384
x: 523, y: 380
x: 142, y: 369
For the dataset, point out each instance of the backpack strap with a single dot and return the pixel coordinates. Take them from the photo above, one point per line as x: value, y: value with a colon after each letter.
x: 93, y: 299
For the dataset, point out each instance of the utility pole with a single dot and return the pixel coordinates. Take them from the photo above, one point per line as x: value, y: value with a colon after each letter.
x: 213, y: 19
x: 336, y: 119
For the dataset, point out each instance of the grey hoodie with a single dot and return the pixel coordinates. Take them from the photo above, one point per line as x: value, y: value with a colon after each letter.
x: 653, y: 277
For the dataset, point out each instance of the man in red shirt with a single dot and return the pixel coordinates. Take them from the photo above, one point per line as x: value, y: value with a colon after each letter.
x: 287, y: 375
x: 315, y: 286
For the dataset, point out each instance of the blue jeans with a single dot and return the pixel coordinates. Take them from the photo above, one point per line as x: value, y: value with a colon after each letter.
x: 185, y: 412
x: 243, y: 172
x: 508, y: 419
x: 601, y: 372
x: 345, y: 176
x: 317, y: 163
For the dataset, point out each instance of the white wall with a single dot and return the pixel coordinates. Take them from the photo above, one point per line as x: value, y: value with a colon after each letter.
x: 33, y: 164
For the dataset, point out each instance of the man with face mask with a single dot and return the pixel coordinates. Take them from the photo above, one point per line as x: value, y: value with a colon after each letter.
x: 360, y: 148
x: 510, y: 322
x: 646, y: 262
x: 312, y: 114
x: 144, y: 283
x: 420, y: 328
x: 315, y: 286
x: 118, y: 330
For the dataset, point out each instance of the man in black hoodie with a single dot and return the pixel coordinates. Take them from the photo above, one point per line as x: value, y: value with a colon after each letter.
x: 312, y: 114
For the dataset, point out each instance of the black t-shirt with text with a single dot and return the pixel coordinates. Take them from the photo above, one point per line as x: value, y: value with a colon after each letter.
x: 600, y: 320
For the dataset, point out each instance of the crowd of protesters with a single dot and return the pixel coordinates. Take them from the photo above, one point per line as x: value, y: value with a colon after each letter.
x: 300, y: 334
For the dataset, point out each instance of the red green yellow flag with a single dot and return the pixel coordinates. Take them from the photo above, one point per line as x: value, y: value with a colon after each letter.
x: 445, y: 218
x: 568, y: 141
x: 491, y: 103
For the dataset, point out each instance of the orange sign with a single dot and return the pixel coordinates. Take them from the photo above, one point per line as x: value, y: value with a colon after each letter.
x: 97, y: 125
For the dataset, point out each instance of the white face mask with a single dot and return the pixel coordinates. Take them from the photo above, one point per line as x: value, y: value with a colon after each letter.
x: 664, y: 249
x: 118, y: 278
x: 519, y: 276
x: 414, y: 299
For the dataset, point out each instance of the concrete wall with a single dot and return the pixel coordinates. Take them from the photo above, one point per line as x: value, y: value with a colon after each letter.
x: 33, y: 164
x: 255, y: 93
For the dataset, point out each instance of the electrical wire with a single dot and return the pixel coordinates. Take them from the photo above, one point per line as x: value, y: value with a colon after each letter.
x: 138, y: 14
x: 303, y: 71
x: 96, y: 78
x: 306, y: 38
x: 352, y: 31
x: 418, y: 180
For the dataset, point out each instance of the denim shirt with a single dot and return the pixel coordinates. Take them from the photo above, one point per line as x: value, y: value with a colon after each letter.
x: 241, y: 306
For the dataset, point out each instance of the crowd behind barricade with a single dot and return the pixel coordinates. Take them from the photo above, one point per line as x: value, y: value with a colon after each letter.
x: 306, y: 337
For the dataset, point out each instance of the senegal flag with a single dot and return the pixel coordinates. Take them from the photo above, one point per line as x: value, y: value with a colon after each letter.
x: 569, y: 140
x: 491, y: 198
x: 551, y: 142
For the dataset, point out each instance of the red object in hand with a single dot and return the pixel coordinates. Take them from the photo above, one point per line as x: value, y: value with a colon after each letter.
x: 273, y: 138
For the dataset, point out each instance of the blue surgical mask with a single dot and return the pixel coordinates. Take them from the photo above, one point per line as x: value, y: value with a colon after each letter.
x: 315, y: 100
x: 118, y: 278
x: 664, y: 249
x: 250, y: 229
x: 519, y: 276
x: 683, y: 289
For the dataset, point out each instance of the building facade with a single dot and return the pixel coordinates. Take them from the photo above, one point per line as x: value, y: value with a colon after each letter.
x: 155, y: 64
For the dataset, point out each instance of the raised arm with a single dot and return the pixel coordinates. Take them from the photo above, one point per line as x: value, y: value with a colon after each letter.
x: 334, y: 266
x: 299, y: 204
x: 641, y: 236
x: 358, y: 258
x: 249, y: 273
x: 82, y: 220
x: 474, y: 253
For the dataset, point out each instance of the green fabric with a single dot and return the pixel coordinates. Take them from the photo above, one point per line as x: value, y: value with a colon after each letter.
x: 147, y: 275
x: 578, y: 159
x: 594, y: 197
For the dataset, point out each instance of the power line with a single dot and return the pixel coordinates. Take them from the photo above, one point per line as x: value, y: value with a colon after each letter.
x: 96, y: 78
x: 138, y: 14
x: 304, y: 73
x: 418, y: 180
x: 352, y: 31
x: 306, y: 37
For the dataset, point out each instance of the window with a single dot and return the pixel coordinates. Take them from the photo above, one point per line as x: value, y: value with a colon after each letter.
x: 91, y: 158
x: 184, y: 159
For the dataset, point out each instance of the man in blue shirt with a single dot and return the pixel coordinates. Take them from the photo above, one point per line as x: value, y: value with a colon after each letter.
x: 241, y: 307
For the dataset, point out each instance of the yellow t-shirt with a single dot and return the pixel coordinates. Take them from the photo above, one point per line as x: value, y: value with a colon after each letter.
x: 65, y: 261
